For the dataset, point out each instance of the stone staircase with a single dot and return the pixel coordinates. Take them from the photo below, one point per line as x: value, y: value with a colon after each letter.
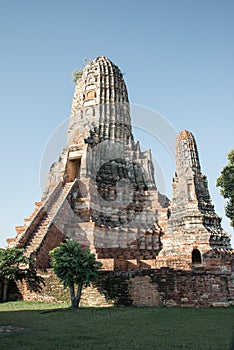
x: 48, y: 219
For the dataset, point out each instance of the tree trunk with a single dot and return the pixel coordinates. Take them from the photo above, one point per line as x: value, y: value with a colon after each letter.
x: 78, y: 294
x: 75, y: 299
x: 72, y: 295
x: 5, y: 288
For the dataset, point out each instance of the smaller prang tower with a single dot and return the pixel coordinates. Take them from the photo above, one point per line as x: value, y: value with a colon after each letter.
x: 194, y: 229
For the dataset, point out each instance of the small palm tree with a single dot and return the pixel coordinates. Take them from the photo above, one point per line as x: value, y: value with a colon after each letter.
x: 74, y: 265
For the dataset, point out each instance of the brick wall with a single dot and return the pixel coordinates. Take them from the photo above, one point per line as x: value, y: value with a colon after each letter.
x: 158, y: 287
x: 169, y: 287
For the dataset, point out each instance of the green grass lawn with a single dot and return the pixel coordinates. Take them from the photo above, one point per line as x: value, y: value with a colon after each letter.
x: 29, y: 326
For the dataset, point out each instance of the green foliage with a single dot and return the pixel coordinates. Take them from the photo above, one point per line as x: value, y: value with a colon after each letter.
x: 86, y: 61
x: 14, y: 265
x: 11, y: 261
x: 74, y: 265
x: 77, y: 74
x: 226, y: 182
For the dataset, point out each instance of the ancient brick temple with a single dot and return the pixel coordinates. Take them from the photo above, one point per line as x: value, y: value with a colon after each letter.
x: 102, y: 192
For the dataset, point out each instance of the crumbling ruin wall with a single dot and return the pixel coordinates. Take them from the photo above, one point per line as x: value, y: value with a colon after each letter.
x: 149, y: 287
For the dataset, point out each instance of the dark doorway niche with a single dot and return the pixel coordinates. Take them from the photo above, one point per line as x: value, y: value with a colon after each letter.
x: 196, y: 256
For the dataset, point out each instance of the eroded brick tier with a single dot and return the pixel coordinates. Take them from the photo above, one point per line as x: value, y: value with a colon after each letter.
x: 102, y: 191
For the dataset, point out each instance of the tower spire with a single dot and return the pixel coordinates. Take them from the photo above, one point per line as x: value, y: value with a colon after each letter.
x: 186, y: 153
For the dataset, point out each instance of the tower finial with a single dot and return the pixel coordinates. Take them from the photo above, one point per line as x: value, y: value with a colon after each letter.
x: 186, y: 153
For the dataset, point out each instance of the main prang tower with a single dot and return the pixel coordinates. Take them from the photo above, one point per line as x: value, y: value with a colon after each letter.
x: 101, y: 192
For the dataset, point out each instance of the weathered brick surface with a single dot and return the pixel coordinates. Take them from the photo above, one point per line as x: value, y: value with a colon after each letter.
x: 143, y: 292
x: 53, y: 291
x: 159, y: 287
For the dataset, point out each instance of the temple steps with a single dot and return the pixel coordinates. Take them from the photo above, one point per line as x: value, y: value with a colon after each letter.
x: 42, y: 228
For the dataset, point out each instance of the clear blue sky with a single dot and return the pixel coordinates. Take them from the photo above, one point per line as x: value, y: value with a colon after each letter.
x: 178, y: 59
